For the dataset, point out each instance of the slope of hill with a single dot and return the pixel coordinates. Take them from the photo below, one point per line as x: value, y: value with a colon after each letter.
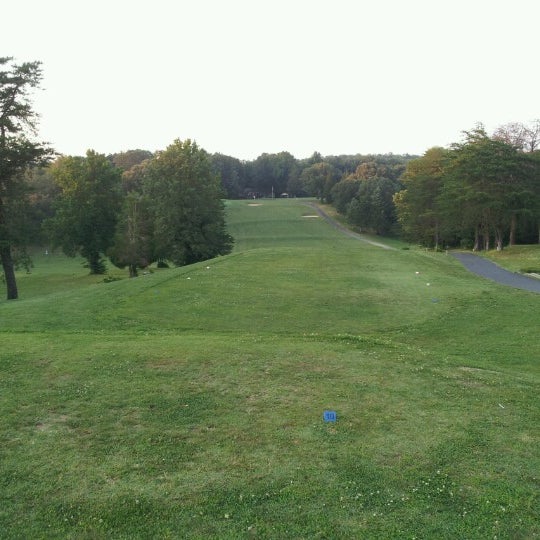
x: 188, y: 402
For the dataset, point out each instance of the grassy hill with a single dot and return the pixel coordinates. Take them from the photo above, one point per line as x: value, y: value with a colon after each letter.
x: 188, y: 402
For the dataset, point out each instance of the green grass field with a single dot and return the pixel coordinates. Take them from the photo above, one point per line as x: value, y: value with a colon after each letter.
x: 188, y: 402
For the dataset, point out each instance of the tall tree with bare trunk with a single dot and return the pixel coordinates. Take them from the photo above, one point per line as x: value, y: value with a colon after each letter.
x: 17, y: 153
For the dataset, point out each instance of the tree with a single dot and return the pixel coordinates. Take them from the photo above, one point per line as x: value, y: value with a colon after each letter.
x: 43, y: 191
x: 319, y: 179
x: 186, y: 207
x: 130, y: 158
x: 417, y: 205
x: 314, y: 158
x: 231, y: 173
x: 373, y: 206
x: 486, y: 188
x: 362, y: 167
x: 87, y: 208
x: 17, y: 153
x: 133, y: 178
x: 524, y: 137
x: 535, y: 180
x: 133, y: 241
x: 344, y: 192
x: 270, y: 173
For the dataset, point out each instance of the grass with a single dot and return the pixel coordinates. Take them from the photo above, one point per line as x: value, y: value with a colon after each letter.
x: 188, y: 402
x: 523, y: 259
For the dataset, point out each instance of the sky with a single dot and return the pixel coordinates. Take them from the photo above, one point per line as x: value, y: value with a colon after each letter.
x: 245, y: 77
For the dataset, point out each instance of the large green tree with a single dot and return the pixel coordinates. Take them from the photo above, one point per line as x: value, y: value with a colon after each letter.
x: 128, y: 159
x: 133, y: 245
x: 534, y: 161
x: 417, y: 205
x: 43, y: 191
x: 17, y: 153
x: 270, y: 174
x: 344, y: 192
x: 487, y: 187
x: 319, y: 179
x: 231, y: 172
x: 372, y: 208
x: 186, y: 205
x: 88, y: 207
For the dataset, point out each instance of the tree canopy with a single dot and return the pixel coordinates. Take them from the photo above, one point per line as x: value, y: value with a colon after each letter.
x: 480, y: 190
x: 88, y: 207
x: 417, y: 204
x: 186, y: 205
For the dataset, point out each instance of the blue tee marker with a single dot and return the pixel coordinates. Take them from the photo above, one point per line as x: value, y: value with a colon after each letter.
x: 329, y: 416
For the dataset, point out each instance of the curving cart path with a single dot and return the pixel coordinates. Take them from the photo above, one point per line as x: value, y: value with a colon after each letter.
x: 489, y: 270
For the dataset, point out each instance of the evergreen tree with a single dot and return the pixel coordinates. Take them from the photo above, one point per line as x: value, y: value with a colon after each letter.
x: 417, y: 205
x: 17, y: 153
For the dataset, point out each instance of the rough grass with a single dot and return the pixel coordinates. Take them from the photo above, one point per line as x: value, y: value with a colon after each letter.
x: 523, y: 259
x: 188, y: 402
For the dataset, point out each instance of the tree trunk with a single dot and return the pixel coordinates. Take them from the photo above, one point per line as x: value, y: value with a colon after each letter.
x: 485, y: 235
x: 513, y: 227
x: 95, y: 263
x: 9, y: 273
x: 498, y: 239
x: 476, y: 246
x: 133, y: 270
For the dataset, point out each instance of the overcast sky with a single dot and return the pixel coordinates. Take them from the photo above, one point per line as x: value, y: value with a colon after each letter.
x: 243, y: 77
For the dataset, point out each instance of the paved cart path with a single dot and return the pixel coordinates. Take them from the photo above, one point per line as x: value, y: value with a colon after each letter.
x: 489, y: 270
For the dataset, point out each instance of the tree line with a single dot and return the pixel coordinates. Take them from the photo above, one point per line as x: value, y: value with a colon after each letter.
x: 480, y: 193
x: 281, y: 174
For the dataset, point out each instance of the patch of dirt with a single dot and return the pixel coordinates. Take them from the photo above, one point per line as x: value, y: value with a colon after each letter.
x: 164, y: 364
x: 478, y: 370
x: 52, y: 422
x: 526, y: 438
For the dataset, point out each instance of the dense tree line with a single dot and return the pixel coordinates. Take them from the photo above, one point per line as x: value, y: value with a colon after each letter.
x: 480, y: 193
x: 282, y: 174
x: 366, y: 196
